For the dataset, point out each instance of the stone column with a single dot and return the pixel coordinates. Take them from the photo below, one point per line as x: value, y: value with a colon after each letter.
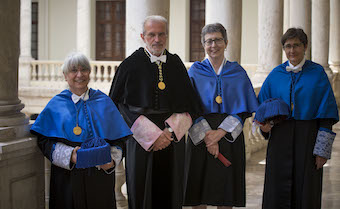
x: 25, y: 42
x: 334, y: 42
x: 229, y: 14
x: 320, y: 34
x: 270, y: 32
x: 136, y: 12
x: 10, y: 105
x: 84, y: 27
x: 21, y: 163
x: 300, y: 17
x: 334, y: 46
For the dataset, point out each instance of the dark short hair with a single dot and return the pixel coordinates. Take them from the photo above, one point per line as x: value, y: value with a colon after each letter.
x: 214, y: 28
x: 295, y: 33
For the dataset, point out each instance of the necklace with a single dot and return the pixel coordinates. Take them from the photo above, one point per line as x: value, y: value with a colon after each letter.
x: 218, y: 98
x: 77, y: 129
x: 161, y: 84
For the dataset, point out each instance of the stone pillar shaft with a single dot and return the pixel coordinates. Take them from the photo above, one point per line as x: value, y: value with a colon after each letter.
x: 84, y: 26
x: 10, y: 105
x: 270, y: 32
x: 230, y: 16
x: 136, y: 12
x: 334, y: 42
x: 300, y: 17
x: 25, y: 28
x: 320, y: 33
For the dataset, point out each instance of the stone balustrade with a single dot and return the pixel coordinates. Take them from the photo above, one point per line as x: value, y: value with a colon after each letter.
x: 44, y: 79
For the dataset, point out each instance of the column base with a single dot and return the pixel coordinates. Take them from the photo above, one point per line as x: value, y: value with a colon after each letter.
x: 10, y: 115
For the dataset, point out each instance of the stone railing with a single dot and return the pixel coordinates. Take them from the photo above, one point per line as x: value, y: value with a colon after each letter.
x: 41, y: 80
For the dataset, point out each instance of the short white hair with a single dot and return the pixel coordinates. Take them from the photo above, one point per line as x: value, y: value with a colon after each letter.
x: 156, y: 18
x: 75, y: 59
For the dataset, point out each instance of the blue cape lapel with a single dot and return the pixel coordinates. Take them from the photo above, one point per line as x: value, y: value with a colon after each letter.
x: 98, y: 117
x: 233, y: 85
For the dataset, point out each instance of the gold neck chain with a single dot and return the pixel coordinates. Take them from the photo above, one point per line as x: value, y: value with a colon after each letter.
x: 161, y: 84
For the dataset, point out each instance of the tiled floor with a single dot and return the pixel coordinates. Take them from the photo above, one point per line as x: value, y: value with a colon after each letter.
x: 331, y: 179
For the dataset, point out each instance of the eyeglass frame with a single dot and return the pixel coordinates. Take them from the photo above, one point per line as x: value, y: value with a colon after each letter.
x: 218, y: 41
x: 294, y: 46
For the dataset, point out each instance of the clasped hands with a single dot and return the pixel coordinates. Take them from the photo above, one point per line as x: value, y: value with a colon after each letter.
x: 163, y: 141
x: 106, y: 166
x: 211, y: 139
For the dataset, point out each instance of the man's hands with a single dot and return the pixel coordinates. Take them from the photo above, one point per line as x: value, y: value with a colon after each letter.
x: 163, y: 141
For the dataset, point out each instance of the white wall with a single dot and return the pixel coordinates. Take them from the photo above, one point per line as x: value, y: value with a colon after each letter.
x: 62, y: 16
x: 249, y: 32
x: 179, y: 28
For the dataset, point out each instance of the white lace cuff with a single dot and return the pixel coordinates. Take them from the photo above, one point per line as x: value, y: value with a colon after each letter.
x: 324, y: 142
x: 61, y: 155
x: 232, y: 125
x: 198, y: 130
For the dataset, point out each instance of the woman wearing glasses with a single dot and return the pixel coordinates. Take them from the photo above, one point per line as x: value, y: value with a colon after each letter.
x: 80, y: 177
x: 298, y: 147
x: 228, y: 98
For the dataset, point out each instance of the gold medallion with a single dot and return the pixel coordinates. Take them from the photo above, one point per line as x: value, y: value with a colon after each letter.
x: 161, y: 85
x: 291, y: 106
x: 218, y: 99
x: 77, y: 130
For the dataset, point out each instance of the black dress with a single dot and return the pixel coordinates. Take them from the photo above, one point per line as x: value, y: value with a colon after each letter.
x: 209, y: 181
x: 291, y: 179
x: 154, y: 179
x: 79, y: 188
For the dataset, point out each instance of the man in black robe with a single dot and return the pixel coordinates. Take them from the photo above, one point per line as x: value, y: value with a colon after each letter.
x: 153, y: 93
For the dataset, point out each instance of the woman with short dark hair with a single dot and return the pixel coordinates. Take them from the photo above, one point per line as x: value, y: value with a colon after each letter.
x: 299, y: 146
x: 227, y: 98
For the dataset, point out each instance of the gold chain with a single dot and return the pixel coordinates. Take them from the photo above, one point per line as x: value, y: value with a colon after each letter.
x: 161, y: 84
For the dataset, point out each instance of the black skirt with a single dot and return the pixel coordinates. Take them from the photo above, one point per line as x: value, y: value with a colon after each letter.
x: 291, y: 179
x: 209, y: 182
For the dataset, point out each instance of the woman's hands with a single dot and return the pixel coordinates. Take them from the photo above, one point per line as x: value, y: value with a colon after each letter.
x: 107, y: 166
x: 74, y: 155
x: 320, y: 162
x: 211, y: 140
x: 213, y: 136
x: 266, y: 127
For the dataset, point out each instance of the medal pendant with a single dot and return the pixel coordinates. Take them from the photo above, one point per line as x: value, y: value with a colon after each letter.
x: 291, y: 106
x: 161, y: 85
x: 77, y: 130
x: 218, y: 99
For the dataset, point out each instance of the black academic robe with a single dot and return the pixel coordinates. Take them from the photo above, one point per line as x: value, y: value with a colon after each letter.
x: 79, y: 188
x: 154, y: 179
x: 209, y: 181
x: 291, y: 179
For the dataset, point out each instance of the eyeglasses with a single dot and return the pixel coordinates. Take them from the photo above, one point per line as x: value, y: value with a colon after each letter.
x: 76, y: 70
x: 218, y: 41
x: 294, y: 46
x: 153, y: 35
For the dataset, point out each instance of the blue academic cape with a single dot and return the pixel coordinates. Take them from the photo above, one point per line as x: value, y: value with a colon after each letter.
x: 98, y: 117
x: 232, y: 84
x: 311, y: 95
